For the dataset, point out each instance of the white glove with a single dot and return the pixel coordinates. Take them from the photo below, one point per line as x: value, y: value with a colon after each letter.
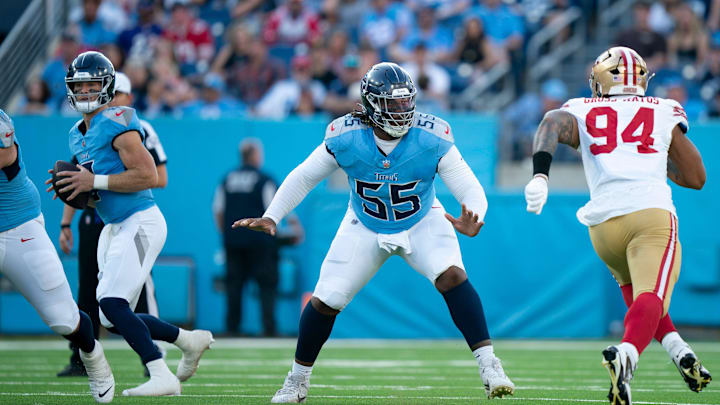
x: 536, y: 193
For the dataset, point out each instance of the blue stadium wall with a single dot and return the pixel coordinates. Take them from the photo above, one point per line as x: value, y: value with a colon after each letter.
x: 537, y: 275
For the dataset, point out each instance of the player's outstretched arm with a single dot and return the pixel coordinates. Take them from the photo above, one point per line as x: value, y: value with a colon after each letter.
x: 293, y: 190
x: 556, y: 127
x: 685, y: 166
x: 466, y: 189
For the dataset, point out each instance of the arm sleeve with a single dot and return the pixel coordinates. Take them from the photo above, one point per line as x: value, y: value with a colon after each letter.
x: 300, y: 181
x: 461, y: 181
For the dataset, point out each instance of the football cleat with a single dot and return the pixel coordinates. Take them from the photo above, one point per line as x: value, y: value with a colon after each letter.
x: 692, y: 371
x: 193, y: 344
x: 73, y: 370
x: 100, y: 377
x: 497, y: 384
x: 162, y: 382
x: 616, y: 362
x: 293, y: 391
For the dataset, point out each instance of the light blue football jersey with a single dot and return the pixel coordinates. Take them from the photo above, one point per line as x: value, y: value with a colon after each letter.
x: 95, y: 152
x: 19, y: 198
x: 390, y: 194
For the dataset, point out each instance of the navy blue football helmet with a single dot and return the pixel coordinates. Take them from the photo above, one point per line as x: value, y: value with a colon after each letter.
x: 90, y: 67
x: 388, y: 98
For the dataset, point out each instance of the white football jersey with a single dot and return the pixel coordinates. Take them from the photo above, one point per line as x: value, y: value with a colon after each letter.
x: 624, y: 141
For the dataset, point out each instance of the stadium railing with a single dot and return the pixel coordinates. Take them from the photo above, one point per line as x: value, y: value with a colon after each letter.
x: 28, y: 43
x: 541, y: 62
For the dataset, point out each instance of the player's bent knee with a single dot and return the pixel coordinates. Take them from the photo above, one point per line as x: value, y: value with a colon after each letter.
x: 450, y: 278
x: 337, y: 300
x: 62, y: 318
x: 62, y: 330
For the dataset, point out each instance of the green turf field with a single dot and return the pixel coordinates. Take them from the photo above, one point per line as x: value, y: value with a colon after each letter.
x: 360, y: 372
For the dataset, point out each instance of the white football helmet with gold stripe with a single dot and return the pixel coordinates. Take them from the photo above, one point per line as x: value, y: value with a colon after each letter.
x: 617, y: 71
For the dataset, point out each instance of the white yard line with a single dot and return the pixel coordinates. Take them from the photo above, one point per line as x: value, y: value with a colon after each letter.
x: 433, y: 398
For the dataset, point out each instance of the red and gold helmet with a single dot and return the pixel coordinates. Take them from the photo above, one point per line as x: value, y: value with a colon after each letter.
x: 617, y: 71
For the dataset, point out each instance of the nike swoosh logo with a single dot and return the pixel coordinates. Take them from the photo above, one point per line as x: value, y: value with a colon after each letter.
x: 106, y: 391
x: 25, y: 240
x: 447, y: 130
x: 119, y: 113
x: 332, y: 127
x: 9, y: 134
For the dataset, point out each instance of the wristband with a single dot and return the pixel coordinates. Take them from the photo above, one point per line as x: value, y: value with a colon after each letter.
x: 100, y: 182
x: 63, y: 226
x: 541, y: 163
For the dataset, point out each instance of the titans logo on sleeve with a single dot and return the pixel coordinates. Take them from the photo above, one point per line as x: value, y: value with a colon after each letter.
x: 390, y: 194
x: 94, y: 150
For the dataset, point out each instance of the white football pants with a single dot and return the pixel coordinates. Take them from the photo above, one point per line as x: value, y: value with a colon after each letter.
x: 29, y: 260
x: 430, y: 247
x: 126, y: 254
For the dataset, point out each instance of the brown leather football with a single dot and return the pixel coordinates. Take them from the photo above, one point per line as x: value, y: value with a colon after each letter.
x: 81, y: 200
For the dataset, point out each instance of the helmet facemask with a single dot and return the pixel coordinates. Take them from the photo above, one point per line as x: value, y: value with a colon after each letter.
x: 88, y: 102
x: 393, y: 113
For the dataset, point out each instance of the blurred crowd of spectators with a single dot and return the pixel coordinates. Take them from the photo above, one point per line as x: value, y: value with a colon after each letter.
x: 213, y: 58
x: 274, y: 58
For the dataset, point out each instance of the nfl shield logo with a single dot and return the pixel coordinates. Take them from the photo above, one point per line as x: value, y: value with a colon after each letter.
x: 386, y: 163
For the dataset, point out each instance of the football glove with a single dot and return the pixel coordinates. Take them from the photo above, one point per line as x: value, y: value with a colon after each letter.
x: 536, y: 193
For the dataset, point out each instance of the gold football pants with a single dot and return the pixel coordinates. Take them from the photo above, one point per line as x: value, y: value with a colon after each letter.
x: 642, y: 249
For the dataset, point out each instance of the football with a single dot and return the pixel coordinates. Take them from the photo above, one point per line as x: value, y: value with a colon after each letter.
x: 81, y: 200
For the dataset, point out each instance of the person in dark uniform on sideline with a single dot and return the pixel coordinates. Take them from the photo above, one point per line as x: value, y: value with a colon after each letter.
x: 247, y: 191
x: 89, y: 228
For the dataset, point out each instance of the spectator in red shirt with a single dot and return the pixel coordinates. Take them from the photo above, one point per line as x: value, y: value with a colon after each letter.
x: 191, y: 38
x: 291, y: 24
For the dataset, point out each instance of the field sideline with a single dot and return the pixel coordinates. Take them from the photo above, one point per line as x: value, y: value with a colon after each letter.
x: 248, y: 371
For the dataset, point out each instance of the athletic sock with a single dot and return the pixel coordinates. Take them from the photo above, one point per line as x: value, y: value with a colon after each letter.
x: 302, y: 370
x: 129, y: 325
x: 83, y: 337
x: 664, y: 327
x: 627, y: 293
x: 674, y: 344
x: 632, y: 353
x: 159, y: 329
x: 484, y: 355
x: 642, y: 319
x: 314, y: 331
x: 467, y: 312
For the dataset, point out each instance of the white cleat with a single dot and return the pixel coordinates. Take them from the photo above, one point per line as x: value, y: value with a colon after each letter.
x: 162, y: 382
x: 193, y: 344
x: 621, y: 371
x: 293, y: 391
x: 497, y: 384
x: 696, y: 376
x: 100, y: 377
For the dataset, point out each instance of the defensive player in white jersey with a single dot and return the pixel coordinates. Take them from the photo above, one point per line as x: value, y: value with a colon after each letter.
x: 115, y: 165
x: 391, y: 155
x: 29, y: 260
x: 630, y: 144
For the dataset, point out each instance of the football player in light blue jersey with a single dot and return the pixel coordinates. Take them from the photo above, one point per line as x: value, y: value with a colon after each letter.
x: 29, y: 260
x: 390, y: 154
x: 115, y: 165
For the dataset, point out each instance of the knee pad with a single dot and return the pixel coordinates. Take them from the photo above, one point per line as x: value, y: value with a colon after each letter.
x: 65, y: 324
x: 334, y: 299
